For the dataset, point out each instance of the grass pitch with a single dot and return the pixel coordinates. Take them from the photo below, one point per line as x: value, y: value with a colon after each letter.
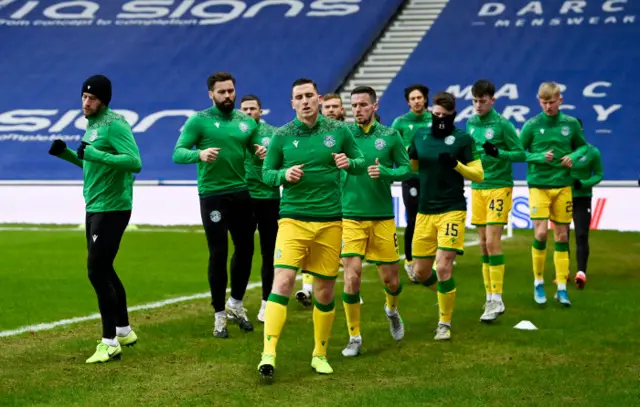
x: 588, y: 355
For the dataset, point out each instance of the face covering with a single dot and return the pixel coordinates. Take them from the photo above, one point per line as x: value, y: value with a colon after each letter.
x: 442, y: 127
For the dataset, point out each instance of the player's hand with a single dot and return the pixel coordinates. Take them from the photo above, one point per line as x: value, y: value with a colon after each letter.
x: 57, y: 147
x: 80, y: 150
x: 341, y: 160
x: 294, y: 173
x: 577, y: 184
x: 261, y: 151
x: 548, y: 156
x: 566, y: 161
x: 374, y: 170
x: 209, y: 155
x: 447, y: 160
x: 490, y: 149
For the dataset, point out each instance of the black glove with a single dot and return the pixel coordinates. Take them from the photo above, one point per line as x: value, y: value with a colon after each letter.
x: 490, y: 149
x: 447, y: 160
x: 577, y: 184
x: 57, y: 147
x: 81, y: 150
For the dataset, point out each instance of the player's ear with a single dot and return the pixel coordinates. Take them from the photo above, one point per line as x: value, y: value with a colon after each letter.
x: 211, y: 95
x: 320, y: 100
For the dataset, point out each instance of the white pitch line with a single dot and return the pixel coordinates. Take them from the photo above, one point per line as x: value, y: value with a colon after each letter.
x: 151, y: 305
x: 81, y: 229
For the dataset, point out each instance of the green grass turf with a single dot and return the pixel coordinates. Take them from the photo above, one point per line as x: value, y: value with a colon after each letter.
x: 588, y: 355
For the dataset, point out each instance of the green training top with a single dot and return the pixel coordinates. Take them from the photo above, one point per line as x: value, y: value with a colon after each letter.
x: 253, y: 165
x: 316, y: 196
x: 562, y: 134
x: 588, y: 169
x: 409, y: 123
x: 441, y: 189
x: 492, y: 127
x: 211, y: 128
x: 110, y: 160
x: 365, y: 198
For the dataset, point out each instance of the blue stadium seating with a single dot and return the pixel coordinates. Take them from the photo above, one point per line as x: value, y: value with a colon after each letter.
x: 592, y: 50
x: 158, y: 57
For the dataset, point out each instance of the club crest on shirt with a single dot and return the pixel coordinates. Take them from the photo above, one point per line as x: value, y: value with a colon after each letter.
x: 449, y: 140
x: 565, y: 131
x: 329, y: 141
x: 489, y: 134
x: 93, y: 136
x: 243, y: 127
x: 380, y: 144
x: 265, y: 141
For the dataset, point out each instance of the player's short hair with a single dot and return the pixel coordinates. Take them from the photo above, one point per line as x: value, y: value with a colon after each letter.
x: 548, y: 90
x: 359, y: 90
x: 219, y: 77
x: 248, y: 98
x: 304, y: 81
x: 483, y: 88
x: 419, y: 87
x: 445, y: 100
x: 330, y: 96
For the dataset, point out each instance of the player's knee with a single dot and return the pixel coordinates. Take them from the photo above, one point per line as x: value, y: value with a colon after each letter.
x: 391, y: 281
x: 352, y: 281
x: 323, y: 290
x: 541, y: 235
x: 283, y: 281
x: 561, y: 235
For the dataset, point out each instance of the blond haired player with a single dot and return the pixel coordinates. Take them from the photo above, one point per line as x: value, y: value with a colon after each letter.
x: 498, y: 146
x: 553, y: 141
x: 306, y: 157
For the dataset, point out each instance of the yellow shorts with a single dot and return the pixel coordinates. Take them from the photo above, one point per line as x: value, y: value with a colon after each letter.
x: 555, y: 204
x: 444, y: 231
x: 491, y: 206
x: 376, y: 241
x: 312, y: 246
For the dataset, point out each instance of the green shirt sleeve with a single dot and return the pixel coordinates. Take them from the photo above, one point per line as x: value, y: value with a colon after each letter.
x: 514, y: 151
x: 598, y: 172
x: 526, y: 137
x: 402, y: 170
x: 71, y: 156
x: 272, y: 172
x: 357, y: 164
x: 127, y: 157
x: 578, y: 142
x: 183, y: 153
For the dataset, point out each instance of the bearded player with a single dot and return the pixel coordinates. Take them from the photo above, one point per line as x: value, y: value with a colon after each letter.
x: 368, y: 224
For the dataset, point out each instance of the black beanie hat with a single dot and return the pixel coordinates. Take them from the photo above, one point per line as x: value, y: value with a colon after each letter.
x: 99, y: 86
